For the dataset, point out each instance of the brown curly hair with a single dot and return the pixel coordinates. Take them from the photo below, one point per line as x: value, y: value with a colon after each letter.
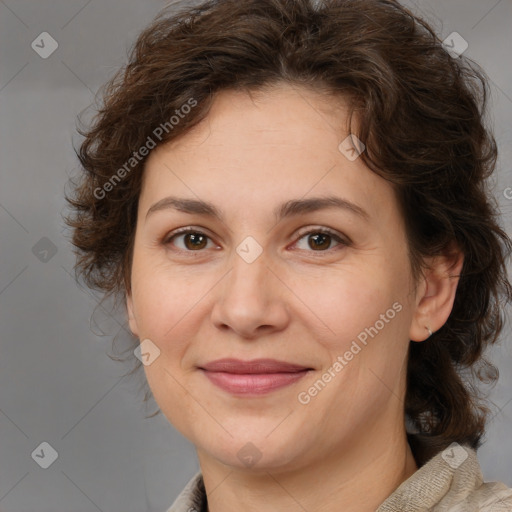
x: 420, y: 113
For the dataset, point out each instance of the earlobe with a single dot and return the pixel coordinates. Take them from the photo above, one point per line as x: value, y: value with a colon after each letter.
x: 436, y: 303
x: 131, y: 315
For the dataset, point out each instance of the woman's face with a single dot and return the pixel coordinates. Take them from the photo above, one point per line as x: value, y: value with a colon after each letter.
x: 265, y: 281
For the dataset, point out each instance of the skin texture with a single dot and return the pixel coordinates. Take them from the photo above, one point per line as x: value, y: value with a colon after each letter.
x: 297, y: 303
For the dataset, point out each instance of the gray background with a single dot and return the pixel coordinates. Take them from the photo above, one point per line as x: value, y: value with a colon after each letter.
x: 56, y: 382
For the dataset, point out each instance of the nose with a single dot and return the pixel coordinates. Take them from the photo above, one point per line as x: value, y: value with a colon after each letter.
x: 250, y: 300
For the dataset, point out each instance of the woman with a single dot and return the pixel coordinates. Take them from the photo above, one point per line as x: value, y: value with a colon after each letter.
x: 290, y: 196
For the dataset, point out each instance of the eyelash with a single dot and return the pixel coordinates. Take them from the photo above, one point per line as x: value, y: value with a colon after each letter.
x: 325, y: 231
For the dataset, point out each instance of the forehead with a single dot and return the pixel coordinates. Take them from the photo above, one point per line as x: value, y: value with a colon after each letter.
x: 254, y: 149
x: 279, y: 114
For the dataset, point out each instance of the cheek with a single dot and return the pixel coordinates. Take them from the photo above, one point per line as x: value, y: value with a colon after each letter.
x: 345, y: 301
x: 164, y: 299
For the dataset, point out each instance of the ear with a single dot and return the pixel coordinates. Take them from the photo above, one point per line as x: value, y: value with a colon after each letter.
x: 131, y: 315
x: 437, y: 295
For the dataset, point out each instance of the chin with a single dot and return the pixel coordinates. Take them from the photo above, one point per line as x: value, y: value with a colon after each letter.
x: 258, y: 451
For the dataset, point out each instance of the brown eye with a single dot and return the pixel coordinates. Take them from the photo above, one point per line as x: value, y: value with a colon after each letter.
x: 188, y: 240
x: 194, y: 241
x: 320, y: 240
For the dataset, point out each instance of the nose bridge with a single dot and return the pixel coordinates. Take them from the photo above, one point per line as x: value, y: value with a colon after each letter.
x: 249, y: 275
x: 249, y: 297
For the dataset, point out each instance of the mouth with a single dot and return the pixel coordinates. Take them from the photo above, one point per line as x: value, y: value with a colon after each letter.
x: 256, y: 377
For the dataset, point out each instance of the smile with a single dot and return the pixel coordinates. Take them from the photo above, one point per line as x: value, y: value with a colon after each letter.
x: 255, y: 377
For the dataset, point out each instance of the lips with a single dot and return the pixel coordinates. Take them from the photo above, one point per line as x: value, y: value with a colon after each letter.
x: 252, y: 378
x: 258, y: 366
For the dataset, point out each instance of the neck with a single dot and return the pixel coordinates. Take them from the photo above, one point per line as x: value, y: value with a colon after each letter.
x: 356, y: 479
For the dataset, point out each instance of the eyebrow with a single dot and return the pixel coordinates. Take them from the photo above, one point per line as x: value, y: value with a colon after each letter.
x: 288, y: 209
